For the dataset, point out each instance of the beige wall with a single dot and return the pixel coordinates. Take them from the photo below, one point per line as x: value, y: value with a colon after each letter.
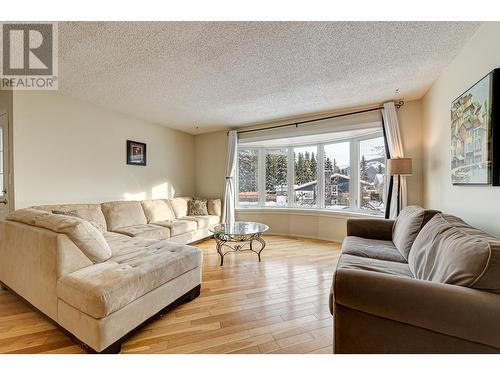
x: 210, y: 164
x: 210, y: 177
x: 476, y: 204
x: 66, y: 150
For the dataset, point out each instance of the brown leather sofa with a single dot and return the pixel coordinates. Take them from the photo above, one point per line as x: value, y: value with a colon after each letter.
x: 424, y: 283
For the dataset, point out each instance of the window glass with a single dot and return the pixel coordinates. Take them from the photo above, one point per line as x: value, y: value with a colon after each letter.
x: 248, y: 162
x: 337, y: 175
x: 305, y: 179
x: 372, y: 175
x: 276, y: 177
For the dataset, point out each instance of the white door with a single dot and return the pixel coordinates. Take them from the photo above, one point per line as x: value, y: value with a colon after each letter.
x: 4, y: 166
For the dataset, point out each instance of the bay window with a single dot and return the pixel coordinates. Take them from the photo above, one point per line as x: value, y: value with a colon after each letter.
x: 342, y: 171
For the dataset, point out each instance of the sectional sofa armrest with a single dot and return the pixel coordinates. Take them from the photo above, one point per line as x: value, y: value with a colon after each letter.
x: 376, y: 229
x: 461, y: 312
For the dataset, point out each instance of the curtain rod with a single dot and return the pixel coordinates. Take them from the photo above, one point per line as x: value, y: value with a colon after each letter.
x: 297, y: 123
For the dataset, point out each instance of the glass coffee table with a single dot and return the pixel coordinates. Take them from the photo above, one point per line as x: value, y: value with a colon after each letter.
x: 239, y: 237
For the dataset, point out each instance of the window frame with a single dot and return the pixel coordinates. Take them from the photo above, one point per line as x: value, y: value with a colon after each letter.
x: 354, y: 185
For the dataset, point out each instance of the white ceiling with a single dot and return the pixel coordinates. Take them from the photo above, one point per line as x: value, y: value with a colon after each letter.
x: 204, y: 76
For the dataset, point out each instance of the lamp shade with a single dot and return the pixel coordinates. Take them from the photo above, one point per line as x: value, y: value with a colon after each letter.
x: 400, y: 167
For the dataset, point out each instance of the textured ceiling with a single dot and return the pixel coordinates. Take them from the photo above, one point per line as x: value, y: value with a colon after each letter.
x: 204, y: 76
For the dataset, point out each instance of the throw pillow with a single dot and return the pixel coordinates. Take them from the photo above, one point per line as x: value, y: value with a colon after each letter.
x: 198, y: 207
x: 214, y: 207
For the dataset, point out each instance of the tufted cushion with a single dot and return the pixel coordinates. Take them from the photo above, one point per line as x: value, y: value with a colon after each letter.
x: 447, y: 250
x: 407, y: 225
x: 180, y: 206
x: 104, y: 288
x: 197, y: 207
x: 87, y: 238
x: 157, y: 210
x: 145, y: 231
x: 178, y: 227
x: 123, y: 214
x: 203, y: 221
x: 214, y: 207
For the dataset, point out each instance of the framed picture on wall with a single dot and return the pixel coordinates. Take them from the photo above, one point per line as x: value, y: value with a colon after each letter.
x: 475, y: 133
x: 136, y: 153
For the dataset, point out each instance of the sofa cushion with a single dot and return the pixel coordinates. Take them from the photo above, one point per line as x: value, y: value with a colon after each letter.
x: 214, y: 207
x: 178, y: 227
x: 87, y: 238
x: 407, y: 225
x: 150, y: 231
x: 122, y: 244
x: 180, y: 206
x: 123, y: 214
x: 352, y: 262
x: 448, y: 250
x: 104, y: 288
x: 203, y: 221
x: 90, y: 212
x: 157, y: 210
x: 27, y: 215
x: 374, y: 249
x: 348, y: 261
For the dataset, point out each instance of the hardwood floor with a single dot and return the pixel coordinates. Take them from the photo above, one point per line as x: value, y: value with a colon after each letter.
x: 277, y: 306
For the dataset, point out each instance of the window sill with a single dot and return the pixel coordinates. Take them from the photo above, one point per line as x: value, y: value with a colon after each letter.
x: 306, y: 212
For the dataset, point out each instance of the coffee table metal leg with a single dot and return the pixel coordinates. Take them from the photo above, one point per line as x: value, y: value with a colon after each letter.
x: 220, y: 243
x: 262, y: 243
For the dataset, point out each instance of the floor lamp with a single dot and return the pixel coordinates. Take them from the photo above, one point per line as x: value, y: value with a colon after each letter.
x: 399, y: 167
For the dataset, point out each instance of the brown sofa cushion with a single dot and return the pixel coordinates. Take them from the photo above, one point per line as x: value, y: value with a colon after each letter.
x: 87, y: 211
x: 123, y: 214
x: 407, y: 226
x: 448, y: 250
x: 374, y: 249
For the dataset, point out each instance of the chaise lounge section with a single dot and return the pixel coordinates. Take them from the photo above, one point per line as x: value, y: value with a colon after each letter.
x: 100, y: 271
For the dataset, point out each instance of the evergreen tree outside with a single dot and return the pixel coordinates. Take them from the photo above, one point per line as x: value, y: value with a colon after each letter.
x: 363, y: 171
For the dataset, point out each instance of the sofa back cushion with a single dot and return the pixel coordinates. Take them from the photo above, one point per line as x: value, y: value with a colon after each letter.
x: 180, y: 206
x: 157, y: 210
x: 448, y: 250
x: 123, y: 214
x: 407, y: 225
x: 86, y: 237
x: 90, y: 212
x: 214, y: 207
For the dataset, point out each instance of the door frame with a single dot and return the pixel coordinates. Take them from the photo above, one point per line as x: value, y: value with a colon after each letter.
x: 10, y: 160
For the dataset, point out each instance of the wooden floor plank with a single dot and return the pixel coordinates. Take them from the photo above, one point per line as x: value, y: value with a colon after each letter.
x: 277, y: 306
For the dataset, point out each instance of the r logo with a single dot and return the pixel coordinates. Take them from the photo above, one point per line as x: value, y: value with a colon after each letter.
x: 27, y: 49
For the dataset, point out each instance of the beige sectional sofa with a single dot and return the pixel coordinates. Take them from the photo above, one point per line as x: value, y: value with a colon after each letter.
x: 424, y: 283
x: 101, y: 270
